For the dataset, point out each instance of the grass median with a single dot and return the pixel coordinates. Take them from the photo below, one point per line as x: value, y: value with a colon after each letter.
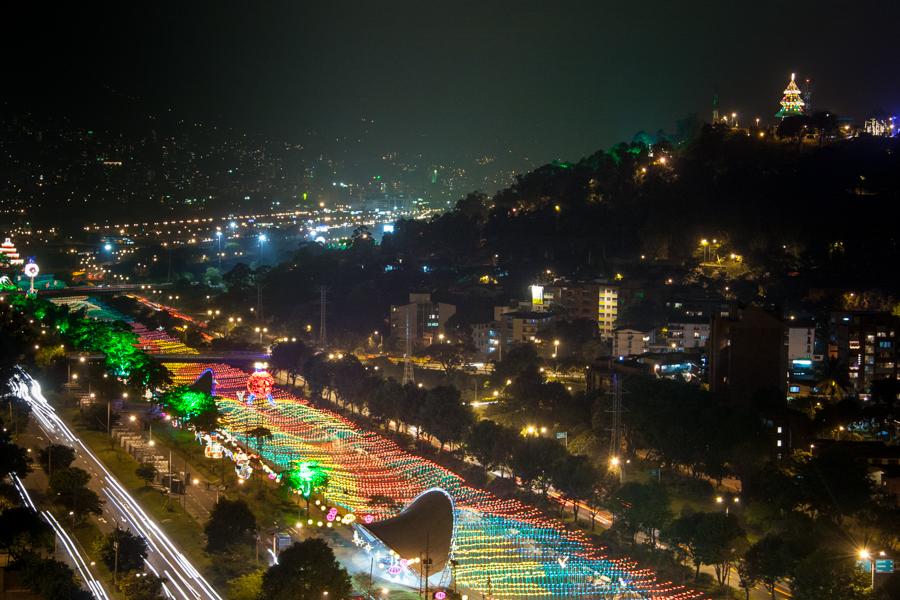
x: 186, y: 532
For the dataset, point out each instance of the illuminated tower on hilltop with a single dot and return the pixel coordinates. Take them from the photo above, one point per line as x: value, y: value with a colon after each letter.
x: 791, y: 103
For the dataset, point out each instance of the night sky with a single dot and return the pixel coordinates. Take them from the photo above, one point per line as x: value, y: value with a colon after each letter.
x: 545, y: 79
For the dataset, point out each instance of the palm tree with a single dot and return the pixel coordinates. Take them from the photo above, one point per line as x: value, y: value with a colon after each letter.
x: 260, y: 434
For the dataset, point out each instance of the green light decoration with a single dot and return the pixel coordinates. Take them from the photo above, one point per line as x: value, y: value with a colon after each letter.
x: 306, y: 477
x: 791, y: 103
x: 187, y: 403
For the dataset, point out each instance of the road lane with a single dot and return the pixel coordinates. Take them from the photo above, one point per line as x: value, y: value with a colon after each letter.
x: 164, y: 558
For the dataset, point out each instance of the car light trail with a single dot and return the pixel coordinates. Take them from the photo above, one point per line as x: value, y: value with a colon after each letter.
x: 94, y: 586
x: 182, y: 575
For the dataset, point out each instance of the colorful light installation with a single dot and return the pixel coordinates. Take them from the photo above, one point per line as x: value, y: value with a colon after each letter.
x: 503, y: 546
x: 260, y: 384
x: 791, y: 103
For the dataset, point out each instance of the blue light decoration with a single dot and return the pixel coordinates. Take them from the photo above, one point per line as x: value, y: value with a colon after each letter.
x: 500, y: 546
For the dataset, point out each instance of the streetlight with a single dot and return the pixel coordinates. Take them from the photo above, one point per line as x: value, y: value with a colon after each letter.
x: 721, y: 501
x: 219, y: 241
x: 865, y: 555
x: 262, y: 240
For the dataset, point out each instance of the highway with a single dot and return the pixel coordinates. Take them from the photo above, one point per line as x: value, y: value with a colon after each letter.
x: 164, y: 559
x: 71, y: 549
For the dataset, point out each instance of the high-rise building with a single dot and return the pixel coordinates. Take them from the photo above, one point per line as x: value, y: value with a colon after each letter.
x: 687, y: 333
x: 596, y: 301
x: 747, y: 355
x: 425, y: 318
x: 866, y: 342
x: 628, y: 341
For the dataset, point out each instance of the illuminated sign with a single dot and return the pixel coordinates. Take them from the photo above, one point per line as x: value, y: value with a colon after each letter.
x: 537, y: 295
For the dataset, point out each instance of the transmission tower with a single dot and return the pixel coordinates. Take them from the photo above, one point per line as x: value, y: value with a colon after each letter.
x: 408, y: 375
x: 323, y: 305
x: 615, y: 435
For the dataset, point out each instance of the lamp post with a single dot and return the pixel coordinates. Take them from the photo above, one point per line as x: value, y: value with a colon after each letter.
x: 219, y: 242
x: 260, y: 241
x: 722, y: 501
x: 865, y: 555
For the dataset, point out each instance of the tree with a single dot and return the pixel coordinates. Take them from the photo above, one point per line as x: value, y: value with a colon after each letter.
x: 445, y: 415
x: 575, y: 478
x: 769, y: 560
x: 260, y: 434
x: 147, y: 472
x: 231, y: 522
x: 643, y: 507
x: 515, y: 360
x: 889, y: 588
x: 289, y: 357
x: 833, y: 484
x: 13, y: 458
x: 487, y: 442
x: 747, y: 579
x: 350, y: 380
x: 451, y: 356
x: 246, y: 587
x: 56, y: 456
x: 99, y: 417
x: 132, y: 550
x: 825, y: 576
x: 385, y: 404
x: 141, y: 586
x: 68, y: 487
x: 22, y: 531
x: 721, y: 540
x: 534, y: 460
x: 305, y: 571
x: 606, y: 485
x: 50, y: 579
x: 192, y: 406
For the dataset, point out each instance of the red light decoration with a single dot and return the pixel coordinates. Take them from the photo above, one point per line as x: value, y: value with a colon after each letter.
x: 261, y: 384
x: 499, y: 544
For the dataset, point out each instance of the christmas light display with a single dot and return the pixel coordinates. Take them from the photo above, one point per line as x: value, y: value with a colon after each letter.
x: 791, y: 103
x: 260, y: 384
x: 31, y: 271
x: 503, y: 546
x: 186, y: 402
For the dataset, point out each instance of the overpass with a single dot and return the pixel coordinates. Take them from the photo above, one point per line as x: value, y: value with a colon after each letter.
x: 226, y: 356
x: 94, y: 290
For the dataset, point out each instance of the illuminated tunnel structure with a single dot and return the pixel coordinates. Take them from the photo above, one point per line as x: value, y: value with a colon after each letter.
x: 499, y: 547
x: 422, y: 531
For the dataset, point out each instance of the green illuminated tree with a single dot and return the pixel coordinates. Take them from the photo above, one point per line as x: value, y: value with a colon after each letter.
x: 192, y: 406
